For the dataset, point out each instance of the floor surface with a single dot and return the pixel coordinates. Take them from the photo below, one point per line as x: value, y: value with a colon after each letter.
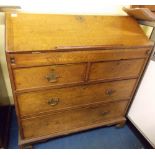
x: 101, y: 138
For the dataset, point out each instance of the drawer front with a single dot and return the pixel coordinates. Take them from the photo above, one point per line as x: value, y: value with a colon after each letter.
x: 48, y: 75
x: 37, y: 59
x: 66, y: 121
x: 56, y: 99
x: 116, y: 69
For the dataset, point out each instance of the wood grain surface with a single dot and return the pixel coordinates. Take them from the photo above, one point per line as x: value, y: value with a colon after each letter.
x: 42, y: 76
x: 72, y: 119
x: 31, y: 32
x: 115, y: 69
x: 52, y: 58
x: 36, y: 102
x: 71, y: 73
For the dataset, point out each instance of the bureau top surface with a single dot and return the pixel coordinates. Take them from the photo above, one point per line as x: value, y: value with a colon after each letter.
x: 32, y: 32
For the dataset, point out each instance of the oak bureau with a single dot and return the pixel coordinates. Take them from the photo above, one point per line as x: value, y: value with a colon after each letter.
x: 71, y: 73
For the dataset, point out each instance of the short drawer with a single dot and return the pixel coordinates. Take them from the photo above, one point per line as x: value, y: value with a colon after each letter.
x: 62, y: 98
x: 71, y: 120
x: 48, y: 58
x: 48, y: 75
x: 116, y: 69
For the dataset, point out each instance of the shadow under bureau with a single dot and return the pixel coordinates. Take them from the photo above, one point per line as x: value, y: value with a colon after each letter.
x: 71, y: 73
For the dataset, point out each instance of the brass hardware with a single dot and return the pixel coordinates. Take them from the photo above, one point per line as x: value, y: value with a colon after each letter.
x: 12, y: 60
x: 110, y: 92
x: 53, y: 101
x: 52, y: 77
x: 105, y: 113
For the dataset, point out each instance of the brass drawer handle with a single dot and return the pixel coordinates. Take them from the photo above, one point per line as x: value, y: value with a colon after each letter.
x: 110, y: 92
x: 105, y: 113
x: 12, y: 60
x: 53, y: 101
x: 52, y: 77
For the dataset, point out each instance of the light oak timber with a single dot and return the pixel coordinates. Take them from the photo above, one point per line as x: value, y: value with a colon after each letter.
x: 35, y: 102
x: 115, y: 69
x: 71, y: 119
x: 76, y: 72
x: 70, y: 30
x: 20, y: 91
x: 52, y: 58
x: 47, y: 137
x: 40, y: 76
x: 14, y: 96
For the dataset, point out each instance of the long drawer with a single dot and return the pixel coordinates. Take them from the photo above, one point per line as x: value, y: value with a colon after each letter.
x: 48, y: 58
x: 56, y: 99
x: 66, y: 121
x: 49, y: 75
